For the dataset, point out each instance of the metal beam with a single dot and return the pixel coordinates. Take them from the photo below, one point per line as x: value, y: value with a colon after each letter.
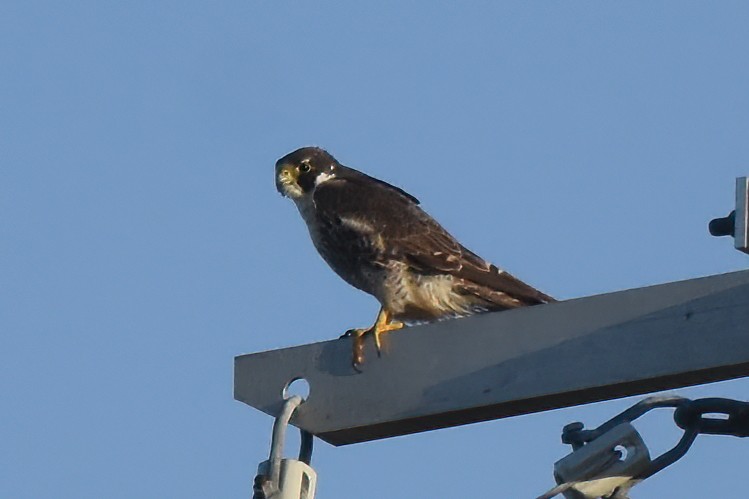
x: 516, y: 362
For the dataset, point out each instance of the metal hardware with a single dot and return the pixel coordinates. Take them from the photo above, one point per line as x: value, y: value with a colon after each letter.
x: 594, y: 469
x: 471, y: 373
x: 736, y: 224
x: 607, y: 463
x: 279, y: 478
x: 693, y: 415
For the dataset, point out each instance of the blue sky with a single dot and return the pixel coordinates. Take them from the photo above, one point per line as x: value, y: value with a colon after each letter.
x: 584, y: 146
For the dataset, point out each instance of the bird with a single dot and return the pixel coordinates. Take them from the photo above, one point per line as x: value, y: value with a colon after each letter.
x: 378, y: 239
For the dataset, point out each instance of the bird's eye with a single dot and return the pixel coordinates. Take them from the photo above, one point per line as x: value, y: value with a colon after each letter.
x: 304, y: 167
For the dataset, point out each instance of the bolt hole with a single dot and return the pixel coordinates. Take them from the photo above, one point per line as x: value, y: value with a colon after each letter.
x: 622, y: 451
x: 297, y: 386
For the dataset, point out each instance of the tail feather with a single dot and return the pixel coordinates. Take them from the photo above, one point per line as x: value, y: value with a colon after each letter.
x: 499, y: 287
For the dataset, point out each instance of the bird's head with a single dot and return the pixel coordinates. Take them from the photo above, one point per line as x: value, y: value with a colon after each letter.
x: 299, y: 172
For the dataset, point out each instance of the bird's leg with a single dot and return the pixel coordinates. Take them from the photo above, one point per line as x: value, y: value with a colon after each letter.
x: 383, y: 324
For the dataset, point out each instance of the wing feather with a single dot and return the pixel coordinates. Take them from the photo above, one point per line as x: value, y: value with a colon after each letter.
x: 405, y: 232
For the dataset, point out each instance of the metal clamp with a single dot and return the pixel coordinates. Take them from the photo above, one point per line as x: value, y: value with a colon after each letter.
x: 606, y: 464
x: 611, y: 459
x: 597, y: 468
x: 736, y: 224
x: 279, y: 478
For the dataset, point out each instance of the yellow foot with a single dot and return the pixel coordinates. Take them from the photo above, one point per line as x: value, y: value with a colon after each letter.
x: 383, y: 324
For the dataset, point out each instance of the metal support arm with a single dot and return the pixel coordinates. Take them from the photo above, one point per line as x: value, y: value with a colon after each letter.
x: 516, y: 362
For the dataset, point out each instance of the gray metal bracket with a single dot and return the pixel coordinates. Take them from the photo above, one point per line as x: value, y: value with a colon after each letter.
x: 515, y: 362
x: 736, y: 224
x: 741, y: 233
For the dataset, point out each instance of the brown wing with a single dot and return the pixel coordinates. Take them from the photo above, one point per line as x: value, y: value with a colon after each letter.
x: 475, y: 275
x: 395, y: 223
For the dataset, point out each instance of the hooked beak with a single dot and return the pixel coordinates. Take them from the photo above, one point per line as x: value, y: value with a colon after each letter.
x: 286, y: 180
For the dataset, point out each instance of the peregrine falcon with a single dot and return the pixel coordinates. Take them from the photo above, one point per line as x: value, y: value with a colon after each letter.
x: 377, y: 238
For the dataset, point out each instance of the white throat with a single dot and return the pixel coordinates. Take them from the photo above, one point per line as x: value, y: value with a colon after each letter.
x: 323, y: 177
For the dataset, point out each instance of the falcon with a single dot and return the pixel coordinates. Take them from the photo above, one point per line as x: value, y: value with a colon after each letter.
x: 376, y: 237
